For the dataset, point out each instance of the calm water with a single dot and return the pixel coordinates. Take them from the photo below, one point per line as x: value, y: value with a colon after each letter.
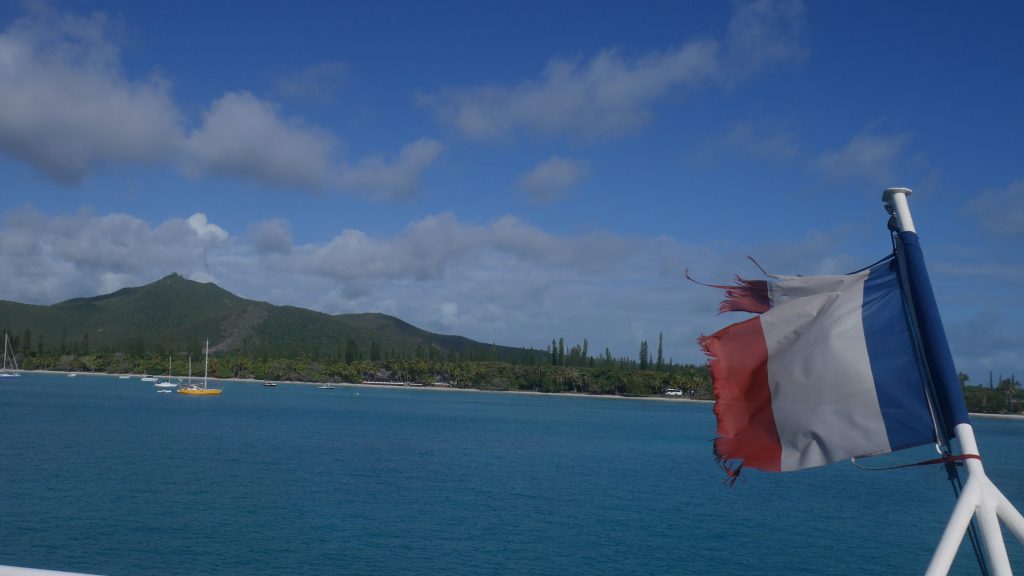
x: 105, y: 475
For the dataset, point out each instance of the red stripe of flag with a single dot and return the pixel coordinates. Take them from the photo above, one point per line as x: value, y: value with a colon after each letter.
x: 743, y: 400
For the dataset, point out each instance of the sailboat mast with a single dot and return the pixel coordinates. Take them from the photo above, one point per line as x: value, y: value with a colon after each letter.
x: 206, y: 367
x: 13, y: 370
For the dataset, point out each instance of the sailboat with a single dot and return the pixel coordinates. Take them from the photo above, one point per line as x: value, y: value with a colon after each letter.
x: 195, y: 389
x: 10, y: 368
x: 166, y: 383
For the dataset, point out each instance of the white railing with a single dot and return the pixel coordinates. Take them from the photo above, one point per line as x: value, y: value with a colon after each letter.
x: 15, y: 571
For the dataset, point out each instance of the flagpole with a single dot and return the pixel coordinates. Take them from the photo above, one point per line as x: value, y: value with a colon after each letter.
x: 979, y: 497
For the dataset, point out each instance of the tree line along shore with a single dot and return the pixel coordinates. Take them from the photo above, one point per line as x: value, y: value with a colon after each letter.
x: 559, y: 369
x: 603, y: 378
x: 616, y: 379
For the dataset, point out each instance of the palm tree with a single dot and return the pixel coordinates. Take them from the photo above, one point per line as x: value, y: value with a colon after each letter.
x: 1008, y: 386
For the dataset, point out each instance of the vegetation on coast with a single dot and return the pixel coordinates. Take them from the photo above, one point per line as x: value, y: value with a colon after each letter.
x: 139, y: 330
x: 481, y: 375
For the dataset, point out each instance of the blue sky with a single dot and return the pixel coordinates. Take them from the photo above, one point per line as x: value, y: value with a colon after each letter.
x: 514, y: 172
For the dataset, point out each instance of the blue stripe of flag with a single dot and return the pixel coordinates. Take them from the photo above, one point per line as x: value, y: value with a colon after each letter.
x: 894, y: 366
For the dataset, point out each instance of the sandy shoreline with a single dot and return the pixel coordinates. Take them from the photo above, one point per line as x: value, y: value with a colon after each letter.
x: 428, y: 388
x: 1003, y: 416
x: 440, y: 389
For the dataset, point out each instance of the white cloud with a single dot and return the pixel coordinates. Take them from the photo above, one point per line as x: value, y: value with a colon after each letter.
x: 204, y: 230
x: 550, y: 180
x: 866, y: 157
x: 272, y: 236
x: 376, y: 177
x: 245, y: 137
x: 504, y: 281
x: 607, y: 95
x: 1001, y: 211
x: 66, y: 107
x: 610, y: 94
x: 44, y: 260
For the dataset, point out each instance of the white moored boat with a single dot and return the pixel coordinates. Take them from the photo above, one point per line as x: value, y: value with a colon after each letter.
x: 10, y: 365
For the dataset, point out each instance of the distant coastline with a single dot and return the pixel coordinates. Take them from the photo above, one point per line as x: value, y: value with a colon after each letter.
x: 658, y: 398
x: 403, y: 386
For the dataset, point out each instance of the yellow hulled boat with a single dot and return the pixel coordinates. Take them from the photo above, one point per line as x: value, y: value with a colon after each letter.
x: 197, y: 390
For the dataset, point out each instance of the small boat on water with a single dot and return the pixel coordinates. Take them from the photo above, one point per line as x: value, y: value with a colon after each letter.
x: 325, y: 387
x: 124, y: 377
x: 195, y: 389
x: 10, y: 365
x: 149, y: 378
x: 166, y: 383
x: 72, y: 374
x: 269, y: 384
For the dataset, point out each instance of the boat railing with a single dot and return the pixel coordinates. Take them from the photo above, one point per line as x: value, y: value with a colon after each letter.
x: 16, y: 571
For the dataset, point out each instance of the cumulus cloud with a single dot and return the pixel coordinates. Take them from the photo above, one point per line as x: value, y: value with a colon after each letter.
x: 272, y: 236
x: 606, y: 95
x: 374, y: 176
x: 44, y: 259
x: 65, y: 105
x: 245, y: 137
x: 550, y: 180
x: 1001, y: 211
x: 67, y: 108
x: 505, y: 281
x: 206, y: 231
x: 610, y: 94
x: 866, y: 157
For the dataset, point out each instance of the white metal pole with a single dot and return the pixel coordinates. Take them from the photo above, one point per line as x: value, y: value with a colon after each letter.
x: 988, y: 521
x: 1009, y: 515
x: 953, y: 535
x: 896, y: 199
x: 980, y: 496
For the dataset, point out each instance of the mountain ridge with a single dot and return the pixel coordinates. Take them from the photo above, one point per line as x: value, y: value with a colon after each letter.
x: 174, y: 313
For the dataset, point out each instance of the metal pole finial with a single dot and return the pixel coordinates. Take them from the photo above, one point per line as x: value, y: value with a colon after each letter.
x: 895, y: 200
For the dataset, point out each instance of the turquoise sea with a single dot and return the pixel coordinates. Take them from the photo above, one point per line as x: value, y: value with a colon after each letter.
x: 106, y: 476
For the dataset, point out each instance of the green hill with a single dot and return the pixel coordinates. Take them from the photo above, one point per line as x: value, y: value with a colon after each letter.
x: 174, y: 314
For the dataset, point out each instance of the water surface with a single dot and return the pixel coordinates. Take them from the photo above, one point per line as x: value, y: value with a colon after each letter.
x: 106, y: 476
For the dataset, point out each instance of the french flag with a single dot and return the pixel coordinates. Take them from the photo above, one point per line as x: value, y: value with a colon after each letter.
x: 826, y: 371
